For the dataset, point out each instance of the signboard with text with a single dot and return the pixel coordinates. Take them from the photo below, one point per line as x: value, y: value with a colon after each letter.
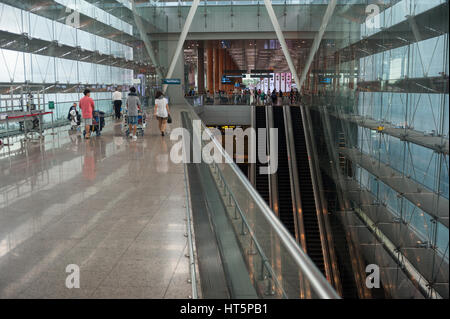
x: 172, y: 81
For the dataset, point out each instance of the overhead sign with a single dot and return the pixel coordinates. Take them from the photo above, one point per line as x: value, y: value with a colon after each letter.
x: 261, y: 71
x: 226, y: 80
x: 172, y: 81
x: 325, y: 80
x: 51, y: 105
x: 234, y: 76
x: 261, y: 76
x: 235, y: 71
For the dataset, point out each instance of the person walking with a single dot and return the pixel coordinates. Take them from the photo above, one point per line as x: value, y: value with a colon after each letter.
x: 252, y: 96
x: 263, y: 98
x: 87, y: 109
x: 162, y: 111
x: 279, y: 99
x: 274, y: 97
x: 117, y: 100
x: 133, y: 106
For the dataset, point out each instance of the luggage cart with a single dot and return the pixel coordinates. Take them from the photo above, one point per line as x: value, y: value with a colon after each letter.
x: 98, y: 122
x: 125, y: 122
x: 22, y: 109
x: 140, y: 128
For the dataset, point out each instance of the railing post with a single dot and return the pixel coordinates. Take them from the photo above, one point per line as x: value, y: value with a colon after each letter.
x: 243, y: 233
x: 252, y: 251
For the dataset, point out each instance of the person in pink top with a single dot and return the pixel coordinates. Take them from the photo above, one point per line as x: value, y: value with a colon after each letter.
x: 87, y: 108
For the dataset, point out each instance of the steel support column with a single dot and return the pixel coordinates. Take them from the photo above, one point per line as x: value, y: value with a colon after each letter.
x: 221, y: 67
x: 282, y: 40
x: 317, y: 40
x: 181, y: 40
x: 210, y: 70
x: 145, y: 38
x: 201, y: 69
x: 216, y: 70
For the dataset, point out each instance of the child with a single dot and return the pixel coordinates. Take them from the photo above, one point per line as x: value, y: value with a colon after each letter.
x: 74, y: 117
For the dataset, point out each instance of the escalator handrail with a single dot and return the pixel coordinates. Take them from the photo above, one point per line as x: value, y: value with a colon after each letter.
x: 273, y: 178
x: 318, y: 282
x: 252, y: 174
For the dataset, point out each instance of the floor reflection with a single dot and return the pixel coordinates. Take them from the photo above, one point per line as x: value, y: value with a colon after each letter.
x: 70, y: 200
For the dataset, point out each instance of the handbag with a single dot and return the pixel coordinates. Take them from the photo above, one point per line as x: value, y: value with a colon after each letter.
x: 169, y: 119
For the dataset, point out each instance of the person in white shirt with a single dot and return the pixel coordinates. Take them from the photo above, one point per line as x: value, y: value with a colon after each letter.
x: 117, y: 99
x: 162, y: 111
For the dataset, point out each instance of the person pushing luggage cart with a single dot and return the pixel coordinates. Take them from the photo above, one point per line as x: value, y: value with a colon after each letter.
x: 94, y: 121
x: 87, y: 109
x: 98, y: 123
x: 133, y: 106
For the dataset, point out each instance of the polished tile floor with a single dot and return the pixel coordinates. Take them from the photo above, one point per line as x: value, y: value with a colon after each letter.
x: 112, y: 206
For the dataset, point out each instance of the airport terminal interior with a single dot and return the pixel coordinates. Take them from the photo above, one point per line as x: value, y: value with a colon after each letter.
x: 280, y: 149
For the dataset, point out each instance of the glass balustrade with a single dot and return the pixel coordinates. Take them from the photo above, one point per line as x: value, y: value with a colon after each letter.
x: 278, y: 268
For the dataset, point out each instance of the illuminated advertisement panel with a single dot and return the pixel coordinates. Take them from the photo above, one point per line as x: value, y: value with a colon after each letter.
x: 272, y: 82
x: 283, y: 82
x: 288, y: 82
x: 277, y: 81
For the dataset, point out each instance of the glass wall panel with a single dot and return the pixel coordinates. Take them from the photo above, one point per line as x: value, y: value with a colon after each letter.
x: 11, y: 19
x: 42, y: 69
x: 389, y: 129
x: 40, y: 27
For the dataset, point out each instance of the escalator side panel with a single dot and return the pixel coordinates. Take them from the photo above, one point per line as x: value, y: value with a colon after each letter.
x: 222, y: 267
x: 212, y: 275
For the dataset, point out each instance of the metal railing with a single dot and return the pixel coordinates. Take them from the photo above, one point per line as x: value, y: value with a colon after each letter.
x: 193, y: 272
x: 265, y: 264
x: 240, y: 99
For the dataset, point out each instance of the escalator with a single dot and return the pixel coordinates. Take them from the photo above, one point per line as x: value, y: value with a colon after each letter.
x: 285, y: 209
x: 310, y: 220
x: 261, y: 181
